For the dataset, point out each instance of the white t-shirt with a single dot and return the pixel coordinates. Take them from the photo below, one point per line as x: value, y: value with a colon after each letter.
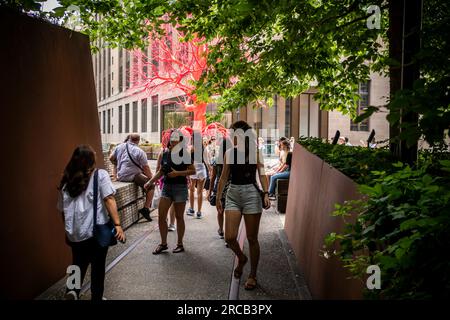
x: 126, y: 169
x: 79, y: 211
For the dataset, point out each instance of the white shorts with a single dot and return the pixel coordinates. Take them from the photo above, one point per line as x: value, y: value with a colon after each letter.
x: 200, y: 173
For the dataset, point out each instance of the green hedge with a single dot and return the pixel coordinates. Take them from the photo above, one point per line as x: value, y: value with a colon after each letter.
x: 402, y: 225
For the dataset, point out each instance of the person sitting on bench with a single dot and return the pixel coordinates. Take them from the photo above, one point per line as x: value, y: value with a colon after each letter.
x: 132, y: 166
x: 281, y: 175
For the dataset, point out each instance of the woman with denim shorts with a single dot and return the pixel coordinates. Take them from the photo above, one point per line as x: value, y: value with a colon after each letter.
x: 243, y: 197
x: 174, y: 191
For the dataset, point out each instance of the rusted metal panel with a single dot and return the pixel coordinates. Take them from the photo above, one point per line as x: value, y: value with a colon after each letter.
x: 48, y: 107
x: 314, y: 189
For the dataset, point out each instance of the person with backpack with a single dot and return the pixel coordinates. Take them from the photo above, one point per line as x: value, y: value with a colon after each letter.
x: 87, y: 201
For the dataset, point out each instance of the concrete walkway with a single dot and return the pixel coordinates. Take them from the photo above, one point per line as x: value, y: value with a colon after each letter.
x: 203, y: 271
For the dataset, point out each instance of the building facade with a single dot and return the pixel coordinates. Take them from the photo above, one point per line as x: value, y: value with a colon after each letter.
x: 302, y: 116
x: 125, y: 107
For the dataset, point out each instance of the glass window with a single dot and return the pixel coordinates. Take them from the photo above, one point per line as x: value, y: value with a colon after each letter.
x: 127, y: 118
x: 135, y: 116
x: 104, y: 121
x: 364, y: 93
x: 155, y: 113
x: 144, y: 115
x: 287, y: 117
x: 120, y: 119
x: 109, y: 120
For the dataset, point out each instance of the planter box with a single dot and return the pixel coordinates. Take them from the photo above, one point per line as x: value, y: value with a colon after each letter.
x: 315, y: 187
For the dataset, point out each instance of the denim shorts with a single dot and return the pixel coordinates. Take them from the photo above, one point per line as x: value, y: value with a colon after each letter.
x: 244, y: 198
x: 175, y: 192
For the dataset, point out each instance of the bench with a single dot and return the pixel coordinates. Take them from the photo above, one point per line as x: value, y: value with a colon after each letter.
x: 281, y: 194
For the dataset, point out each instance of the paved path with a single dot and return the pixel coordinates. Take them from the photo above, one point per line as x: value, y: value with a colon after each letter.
x: 203, y: 271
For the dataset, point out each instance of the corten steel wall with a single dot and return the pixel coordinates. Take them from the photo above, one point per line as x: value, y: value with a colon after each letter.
x: 314, y: 188
x: 48, y: 107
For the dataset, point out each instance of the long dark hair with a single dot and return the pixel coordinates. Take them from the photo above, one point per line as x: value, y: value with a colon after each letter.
x: 241, y: 124
x: 78, y: 171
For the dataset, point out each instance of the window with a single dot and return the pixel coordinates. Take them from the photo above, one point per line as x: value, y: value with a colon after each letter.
x: 120, y: 70
x: 135, y: 116
x: 364, y: 93
x: 100, y: 119
x: 109, y: 120
x: 127, y: 70
x: 135, y: 74
x: 155, y: 113
x: 127, y: 118
x: 273, y: 113
x: 109, y: 72
x: 144, y: 115
x: 287, y: 117
x: 104, y: 121
x: 155, y: 54
x: 120, y: 120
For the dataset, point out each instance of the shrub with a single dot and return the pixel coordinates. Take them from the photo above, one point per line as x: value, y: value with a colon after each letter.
x: 402, y: 222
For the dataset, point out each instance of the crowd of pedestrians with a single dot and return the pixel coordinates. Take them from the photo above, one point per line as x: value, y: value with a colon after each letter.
x: 229, y: 169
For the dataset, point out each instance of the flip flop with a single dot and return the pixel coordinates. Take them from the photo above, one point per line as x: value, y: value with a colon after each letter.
x: 178, y: 249
x: 160, y: 248
x: 250, y: 284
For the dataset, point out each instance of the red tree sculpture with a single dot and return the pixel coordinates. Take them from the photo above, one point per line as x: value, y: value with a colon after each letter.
x: 173, y: 65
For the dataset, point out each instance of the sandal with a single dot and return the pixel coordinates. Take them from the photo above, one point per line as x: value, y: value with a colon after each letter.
x: 240, y: 267
x: 178, y: 249
x: 250, y: 284
x: 160, y: 248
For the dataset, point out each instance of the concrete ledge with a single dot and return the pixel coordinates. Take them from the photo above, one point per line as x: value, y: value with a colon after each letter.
x: 129, y: 198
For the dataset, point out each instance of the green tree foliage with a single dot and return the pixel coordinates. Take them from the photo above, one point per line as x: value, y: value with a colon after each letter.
x: 401, y: 223
x: 282, y: 47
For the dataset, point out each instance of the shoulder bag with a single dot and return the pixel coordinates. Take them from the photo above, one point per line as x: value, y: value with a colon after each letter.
x: 105, y: 234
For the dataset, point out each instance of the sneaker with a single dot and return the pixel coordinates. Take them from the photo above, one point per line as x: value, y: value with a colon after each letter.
x: 190, y: 212
x: 71, y: 295
x: 145, y: 213
x: 172, y: 227
x: 272, y: 196
x: 220, y: 232
x: 199, y: 215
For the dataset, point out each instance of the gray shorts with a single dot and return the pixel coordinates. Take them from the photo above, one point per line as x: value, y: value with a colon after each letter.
x: 244, y: 198
x: 175, y: 192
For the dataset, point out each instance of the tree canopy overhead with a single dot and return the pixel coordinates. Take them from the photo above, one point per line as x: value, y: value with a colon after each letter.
x: 271, y: 47
x: 258, y: 48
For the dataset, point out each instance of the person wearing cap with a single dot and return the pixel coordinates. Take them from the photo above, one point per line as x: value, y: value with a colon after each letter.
x: 175, y: 190
x: 131, y: 165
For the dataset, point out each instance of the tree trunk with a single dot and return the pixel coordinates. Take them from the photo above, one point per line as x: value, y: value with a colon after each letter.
x: 404, y: 42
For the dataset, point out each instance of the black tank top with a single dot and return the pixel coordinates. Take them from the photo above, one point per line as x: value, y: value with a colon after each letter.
x: 168, y: 164
x: 242, y: 173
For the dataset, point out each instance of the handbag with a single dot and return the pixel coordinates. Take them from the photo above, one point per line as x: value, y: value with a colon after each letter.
x: 156, y: 197
x: 104, y: 234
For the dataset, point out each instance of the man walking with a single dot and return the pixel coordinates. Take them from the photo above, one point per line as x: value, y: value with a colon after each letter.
x: 132, y: 166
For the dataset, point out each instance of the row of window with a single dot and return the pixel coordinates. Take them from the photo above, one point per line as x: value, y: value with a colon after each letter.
x: 124, y: 114
x: 104, y: 75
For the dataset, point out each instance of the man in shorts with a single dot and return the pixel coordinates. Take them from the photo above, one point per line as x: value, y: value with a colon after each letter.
x: 132, y: 166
